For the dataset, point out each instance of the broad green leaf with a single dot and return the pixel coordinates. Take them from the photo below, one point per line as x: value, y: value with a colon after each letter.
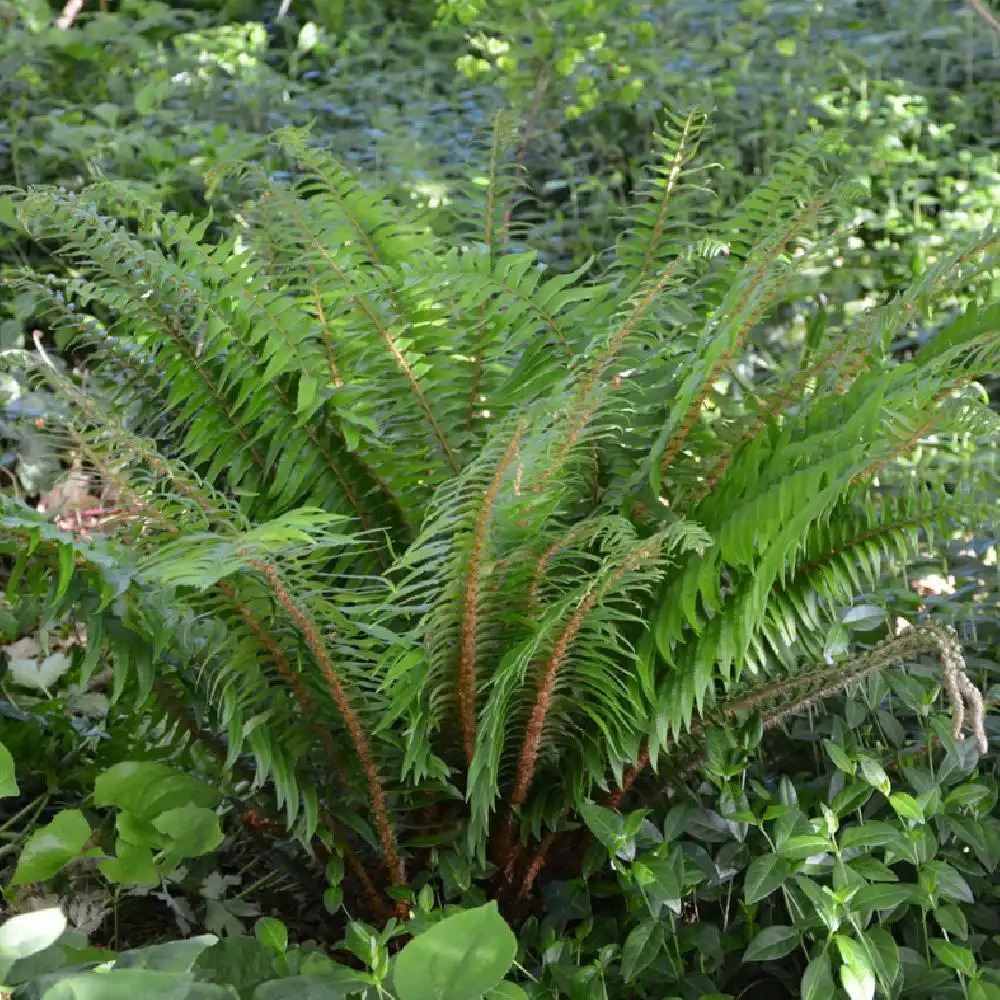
x: 948, y: 883
x: 659, y: 877
x: 272, y: 933
x: 174, y: 956
x: 27, y: 934
x: 952, y: 920
x: 8, y: 783
x: 906, y: 807
x: 52, y: 846
x: 840, y: 757
x: 869, y: 834
x: 461, y: 957
x: 315, y: 986
x: 608, y: 827
x: 817, y: 980
x: 872, y: 869
x: 642, y: 945
x: 804, y: 846
x: 969, y: 794
x: 982, y: 989
x: 193, y: 830
x: 148, y: 788
x: 763, y: 876
x: 857, y: 986
x: 123, y: 984
x: 856, y: 974
x: 883, y: 896
x: 864, y: 617
x: 874, y: 773
x: 132, y: 865
x: 884, y: 954
x: 954, y: 956
x: 506, y: 991
x: 822, y: 899
x: 771, y: 943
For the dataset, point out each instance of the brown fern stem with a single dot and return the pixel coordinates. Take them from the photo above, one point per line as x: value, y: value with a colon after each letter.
x: 291, y: 677
x: 470, y: 616
x: 614, y: 799
x: 362, y: 748
x: 537, y: 863
x: 528, y: 757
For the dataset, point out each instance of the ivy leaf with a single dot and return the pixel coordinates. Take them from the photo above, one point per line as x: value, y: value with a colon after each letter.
x: 771, y: 943
x: 642, y: 945
x: 763, y: 876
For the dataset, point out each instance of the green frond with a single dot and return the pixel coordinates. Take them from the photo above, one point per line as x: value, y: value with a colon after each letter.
x: 484, y: 201
x: 672, y: 206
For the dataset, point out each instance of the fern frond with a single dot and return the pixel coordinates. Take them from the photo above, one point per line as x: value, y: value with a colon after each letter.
x: 671, y: 204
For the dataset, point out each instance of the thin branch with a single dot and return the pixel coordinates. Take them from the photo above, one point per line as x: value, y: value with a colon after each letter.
x: 986, y: 15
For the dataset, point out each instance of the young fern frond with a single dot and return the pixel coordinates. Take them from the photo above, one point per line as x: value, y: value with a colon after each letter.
x: 673, y: 205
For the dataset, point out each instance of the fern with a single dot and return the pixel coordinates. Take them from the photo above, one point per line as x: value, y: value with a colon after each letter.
x: 437, y: 544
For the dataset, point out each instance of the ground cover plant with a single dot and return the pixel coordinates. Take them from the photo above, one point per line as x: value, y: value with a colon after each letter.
x: 432, y: 556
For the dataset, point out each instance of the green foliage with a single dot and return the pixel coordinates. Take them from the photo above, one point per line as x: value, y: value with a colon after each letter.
x: 401, y: 519
x: 463, y: 956
x: 370, y: 518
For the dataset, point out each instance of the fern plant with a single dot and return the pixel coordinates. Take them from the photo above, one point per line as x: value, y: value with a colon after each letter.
x: 440, y: 546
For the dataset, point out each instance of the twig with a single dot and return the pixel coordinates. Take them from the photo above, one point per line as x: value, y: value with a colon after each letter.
x: 977, y: 8
x: 68, y: 16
